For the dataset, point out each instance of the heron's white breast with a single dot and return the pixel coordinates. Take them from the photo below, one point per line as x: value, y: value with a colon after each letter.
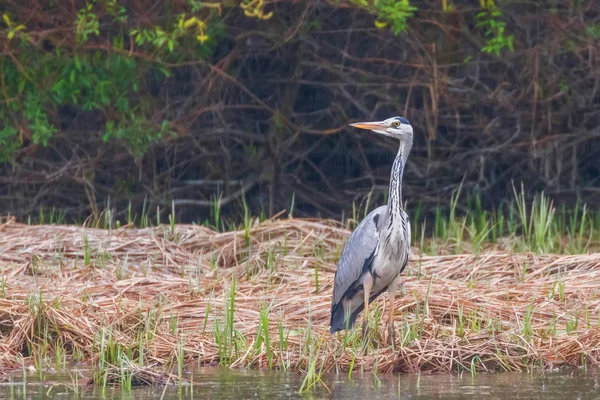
x: 390, y: 256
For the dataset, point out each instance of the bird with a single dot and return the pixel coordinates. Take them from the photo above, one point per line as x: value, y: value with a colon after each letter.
x: 377, y: 250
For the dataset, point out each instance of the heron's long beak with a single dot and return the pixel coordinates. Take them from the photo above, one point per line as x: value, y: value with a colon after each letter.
x: 372, y: 126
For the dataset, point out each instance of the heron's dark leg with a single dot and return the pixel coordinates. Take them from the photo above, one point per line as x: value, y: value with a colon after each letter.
x: 367, y: 285
x: 392, y: 287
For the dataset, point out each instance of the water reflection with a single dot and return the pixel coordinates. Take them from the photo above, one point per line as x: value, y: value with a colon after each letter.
x: 243, y: 384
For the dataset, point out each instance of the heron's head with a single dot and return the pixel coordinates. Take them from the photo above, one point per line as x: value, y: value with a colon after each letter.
x: 396, y: 127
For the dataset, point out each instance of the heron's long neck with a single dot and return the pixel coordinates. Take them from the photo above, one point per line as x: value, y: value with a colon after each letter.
x: 395, y: 197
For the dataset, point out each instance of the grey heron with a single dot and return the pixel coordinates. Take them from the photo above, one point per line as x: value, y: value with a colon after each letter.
x: 377, y: 251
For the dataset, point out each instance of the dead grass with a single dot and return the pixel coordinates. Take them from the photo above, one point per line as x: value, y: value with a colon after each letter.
x: 161, y: 292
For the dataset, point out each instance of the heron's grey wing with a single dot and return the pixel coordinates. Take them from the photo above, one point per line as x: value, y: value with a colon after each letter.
x: 359, y: 249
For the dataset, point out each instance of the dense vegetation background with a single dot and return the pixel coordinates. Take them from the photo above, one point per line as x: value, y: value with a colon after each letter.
x: 111, y: 103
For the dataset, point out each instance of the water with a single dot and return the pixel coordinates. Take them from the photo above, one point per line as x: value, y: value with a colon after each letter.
x: 245, y: 384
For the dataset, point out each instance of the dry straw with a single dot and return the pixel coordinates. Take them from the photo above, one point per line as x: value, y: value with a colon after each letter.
x: 167, y: 295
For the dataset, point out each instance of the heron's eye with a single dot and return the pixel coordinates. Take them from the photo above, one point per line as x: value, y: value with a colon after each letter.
x: 395, y: 124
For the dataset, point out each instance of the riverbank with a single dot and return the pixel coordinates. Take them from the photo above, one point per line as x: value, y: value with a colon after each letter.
x: 167, y: 297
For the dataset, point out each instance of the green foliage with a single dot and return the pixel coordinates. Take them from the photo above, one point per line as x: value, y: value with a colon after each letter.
x: 94, y: 82
x: 38, y: 118
x: 160, y: 38
x: 594, y: 31
x: 390, y: 12
x: 87, y: 23
x: 118, y: 12
x: 9, y: 143
x: 137, y: 131
x: 489, y: 21
x: 38, y: 83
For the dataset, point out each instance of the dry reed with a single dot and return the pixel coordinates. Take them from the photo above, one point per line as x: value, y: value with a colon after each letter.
x: 170, y: 290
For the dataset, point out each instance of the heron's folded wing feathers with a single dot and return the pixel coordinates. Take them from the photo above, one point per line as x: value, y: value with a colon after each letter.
x: 359, y: 249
